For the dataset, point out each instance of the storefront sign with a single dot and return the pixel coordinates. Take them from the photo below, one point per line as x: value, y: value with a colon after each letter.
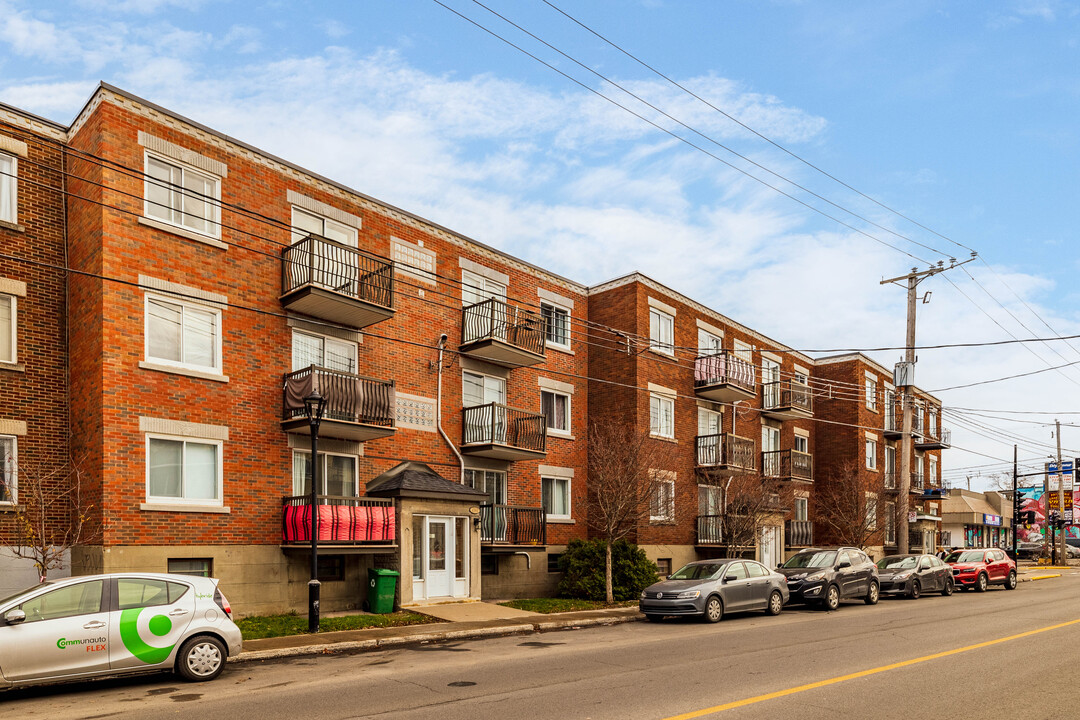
x: 991, y: 519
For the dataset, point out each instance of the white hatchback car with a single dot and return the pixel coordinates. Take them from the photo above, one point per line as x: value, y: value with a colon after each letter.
x: 95, y: 625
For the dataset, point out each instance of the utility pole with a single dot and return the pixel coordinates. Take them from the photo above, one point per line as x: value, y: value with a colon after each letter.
x: 906, y: 398
x: 1016, y: 510
x: 1061, y: 495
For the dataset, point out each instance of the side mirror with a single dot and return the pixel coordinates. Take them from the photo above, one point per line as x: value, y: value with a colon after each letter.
x: 843, y: 564
x: 14, y: 617
x: 780, y: 566
x: 730, y: 578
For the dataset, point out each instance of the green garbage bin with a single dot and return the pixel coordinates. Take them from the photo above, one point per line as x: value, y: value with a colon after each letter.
x: 381, y: 586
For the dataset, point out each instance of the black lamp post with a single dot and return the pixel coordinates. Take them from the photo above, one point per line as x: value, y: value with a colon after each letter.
x: 314, y: 404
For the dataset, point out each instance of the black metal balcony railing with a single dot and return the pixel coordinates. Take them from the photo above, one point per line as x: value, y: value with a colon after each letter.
x: 349, y: 397
x: 340, y: 268
x: 494, y: 319
x: 891, y: 479
x: 340, y: 520
x: 710, y: 529
x: 512, y: 525
x: 725, y: 450
x: 799, y: 533
x: 786, y: 394
x: 893, y: 420
x: 501, y: 425
x: 787, y: 465
x: 917, y: 482
x: 724, y: 368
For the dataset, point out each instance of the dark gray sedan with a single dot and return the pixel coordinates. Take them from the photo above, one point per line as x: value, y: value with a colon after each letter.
x: 711, y: 588
x: 912, y: 575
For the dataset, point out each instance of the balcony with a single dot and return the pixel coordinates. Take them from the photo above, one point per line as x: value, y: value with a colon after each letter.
x: 357, y: 408
x: 799, y: 533
x: 892, y: 480
x: 917, y: 483
x: 935, y: 439
x: 710, y: 529
x: 724, y: 377
x: 893, y: 423
x: 325, y: 279
x: 502, y: 334
x: 504, y: 433
x: 724, y: 452
x: 786, y: 400
x: 344, y: 523
x: 510, y: 525
x: 787, y: 465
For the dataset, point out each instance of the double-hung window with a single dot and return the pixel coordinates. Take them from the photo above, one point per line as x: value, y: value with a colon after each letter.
x: 802, y: 509
x: 662, y: 416
x: 555, y: 492
x: 662, y: 498
x: 8, y: 469
x: 556, y: 409
x: 9, y: 195
x: 183, y: 334
x: 871, y: 511
x: 337, y: 474
x: 309, y: 349
x: 180, y: 470
x: 661, y: 332
x: 8, y: 324
x: 871, y: 454
x: 556, y: 325
x: 871, y: 394
x: 180, y: 195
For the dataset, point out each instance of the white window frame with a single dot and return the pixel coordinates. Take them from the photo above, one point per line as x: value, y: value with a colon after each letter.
x: 555, y: 482
x: 177, y: 216
x: 555, y: 308
x: 931, y: 477
x: 709, y: 343
x: 802, y: 509
x: 657, y: 401
x: 485, y: 377
x: 871, y: 394
x: 871, y: 453
x: 12, y: 183
x: 557, y: 432
x: 298, y: 235
x: 658, y: 321
x: 482, y: 288
x: 184, y: 305
x: 324, y: 338
x: 801, y: 444
x: 890, y: 523
x: 184, y: 440
x: 13, y: 303
x: 297, y: 490
x: 664, y: 500
x: 12, y: 481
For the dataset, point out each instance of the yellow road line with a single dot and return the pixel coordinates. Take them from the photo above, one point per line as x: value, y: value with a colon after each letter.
x: 862, y: 673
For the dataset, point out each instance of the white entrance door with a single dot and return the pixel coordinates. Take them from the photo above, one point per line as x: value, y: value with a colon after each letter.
x: 769, y: 546
x: 440, y: 550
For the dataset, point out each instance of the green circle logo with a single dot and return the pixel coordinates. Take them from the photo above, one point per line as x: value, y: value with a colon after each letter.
x: 129, y: 633
x: 160, y: 625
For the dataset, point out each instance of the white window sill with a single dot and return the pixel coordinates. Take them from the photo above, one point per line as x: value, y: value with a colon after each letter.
x: 661, y: 521
x: 183, y: 232
x: 665, y: 438
x: 7, y: 507
x: 205, y: 375
x: 561, y: 348
x: 182, y: 507
x: 665, y: 353
x: 560, y: 521
x: 560, y: 435
x: 12, y: 226
x: 13, y: 367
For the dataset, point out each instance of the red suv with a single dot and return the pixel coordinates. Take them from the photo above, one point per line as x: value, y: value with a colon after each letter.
x: 981, y: 568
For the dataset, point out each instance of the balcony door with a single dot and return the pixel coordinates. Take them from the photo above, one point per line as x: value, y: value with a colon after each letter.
x: 309, y: 349
x: 770, y: 459
x: 708, y: 425
x: 488, y: 425
x: 333, y: 268
x: 770, y: 383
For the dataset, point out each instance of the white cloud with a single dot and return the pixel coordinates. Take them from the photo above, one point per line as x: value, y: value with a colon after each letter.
x: 33, y: 38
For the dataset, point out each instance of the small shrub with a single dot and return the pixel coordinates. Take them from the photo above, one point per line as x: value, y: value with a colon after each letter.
x: 582, y: 566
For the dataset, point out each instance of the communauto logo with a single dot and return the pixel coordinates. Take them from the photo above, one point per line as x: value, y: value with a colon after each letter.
x: 64, y: 642
x: 159, y: 625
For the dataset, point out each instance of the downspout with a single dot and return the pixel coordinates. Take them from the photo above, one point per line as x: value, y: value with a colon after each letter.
x: 438, y: 414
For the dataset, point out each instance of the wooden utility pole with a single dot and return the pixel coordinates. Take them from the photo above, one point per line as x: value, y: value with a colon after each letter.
x: 1061, y: 495
x: 907, y: 399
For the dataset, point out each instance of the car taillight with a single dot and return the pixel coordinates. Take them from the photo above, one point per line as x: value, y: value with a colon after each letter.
x: 222, y: 602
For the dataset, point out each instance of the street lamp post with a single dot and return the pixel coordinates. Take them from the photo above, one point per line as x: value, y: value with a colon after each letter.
x: 314, y: 404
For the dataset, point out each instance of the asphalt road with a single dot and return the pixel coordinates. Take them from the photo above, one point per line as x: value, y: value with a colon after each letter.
x: 971, y: 655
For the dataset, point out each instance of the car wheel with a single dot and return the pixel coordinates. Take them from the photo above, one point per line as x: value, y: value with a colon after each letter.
x: 653, y: 618
x: 1010, y: 582
x: 714, y: 609
x: 949, y: 587
x: 981, y: 583
x: 832, y: 598
x: 916, y: 590
x: 873, y: 594
x: 776, y: 603
x: 201, y: 658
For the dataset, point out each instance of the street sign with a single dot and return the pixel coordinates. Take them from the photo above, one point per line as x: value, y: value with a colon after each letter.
x: 1052, y: 476
x: 912, y: 516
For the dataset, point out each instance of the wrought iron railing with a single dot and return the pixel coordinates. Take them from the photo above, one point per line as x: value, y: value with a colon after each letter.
x: 725, y: 449
x: 501, y: 425
x: 787, y: 465
x: 724, y: 368
x: 340, y: 520
x: 343, y: 269
x: 349, y: 397
x: 513, y: 525
x: 917, y: 482
x: 494, y: 319
x: 891, y: 479
x: 786, y: 394
x: 710, y: 529
x: 799, y: 532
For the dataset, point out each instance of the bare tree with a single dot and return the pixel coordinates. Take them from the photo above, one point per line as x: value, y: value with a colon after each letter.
x: 850, y: 505
x: 746, y: 501
x: 624, y: 485
x: 51, y: 515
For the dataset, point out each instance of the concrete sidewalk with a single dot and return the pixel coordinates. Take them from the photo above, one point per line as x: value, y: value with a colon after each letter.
x: 380, y: 638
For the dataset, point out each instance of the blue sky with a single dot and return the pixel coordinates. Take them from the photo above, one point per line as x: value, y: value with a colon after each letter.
x: 961, y: 116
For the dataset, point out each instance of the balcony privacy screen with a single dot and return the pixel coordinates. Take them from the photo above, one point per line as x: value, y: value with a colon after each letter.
x: 338, y: 523
x: 349, y: 397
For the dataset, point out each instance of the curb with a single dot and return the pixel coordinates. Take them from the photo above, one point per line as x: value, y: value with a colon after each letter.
x: 1043, y: 577
x: 428, y: 637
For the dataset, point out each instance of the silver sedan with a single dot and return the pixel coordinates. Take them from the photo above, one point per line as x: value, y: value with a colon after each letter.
x: 711, y: 588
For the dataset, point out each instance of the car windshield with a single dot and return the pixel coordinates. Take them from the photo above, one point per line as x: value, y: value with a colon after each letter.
x: 966, y: 556
x: 695, y: 571
x: 9, y: 598
x: 898, y: 562
x: 820, y: 559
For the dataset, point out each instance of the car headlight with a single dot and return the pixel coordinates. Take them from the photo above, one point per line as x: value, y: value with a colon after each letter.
x: 643, y: 595
x: 688, y: 594
x: 820, y: 575
x: 902, y: 576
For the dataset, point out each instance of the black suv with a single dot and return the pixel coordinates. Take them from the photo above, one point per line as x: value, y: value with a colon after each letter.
x: 825, y: 576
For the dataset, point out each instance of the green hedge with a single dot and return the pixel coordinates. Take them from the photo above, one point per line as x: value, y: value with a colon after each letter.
x: 583, y: 570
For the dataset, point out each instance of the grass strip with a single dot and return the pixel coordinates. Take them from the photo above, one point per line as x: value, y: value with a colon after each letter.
x: 267, y: 626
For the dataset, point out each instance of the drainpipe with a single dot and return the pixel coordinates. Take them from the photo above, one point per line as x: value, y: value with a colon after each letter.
x: 438, y: 414
x: 528, y: 560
